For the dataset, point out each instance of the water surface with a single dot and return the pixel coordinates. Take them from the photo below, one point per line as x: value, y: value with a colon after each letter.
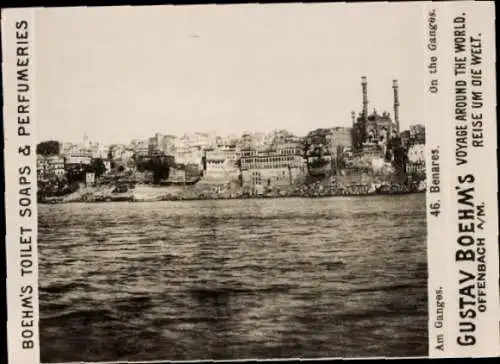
x: 328, y: 277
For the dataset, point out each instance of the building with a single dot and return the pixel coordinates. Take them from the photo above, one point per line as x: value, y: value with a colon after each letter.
x: 100, y: 151
x: 323, y: 146
x: 220, y: 164
x: 79, y: 155
x: 271, y: 158
x: 90, y: 179
x: 41, y: 167
x: 268, y: 178
x: 340, y: 139
x: 214, y: 162
x: 416, y: 153
x: 189, y: 155
x: 154, y: 144
x: 124, y: 157
x: 107, y: 164
x: 278, y: 166
x: 82, y: 153
x: 50, y: 167
x: 416, y: 160
x: 229, y: 141
x: 198, y: 140
x: 95, y: 149
x: 246, y: 142
x: 167, y: 144
x: 85, y: 143
x: 374, y: 128
x: 55, y: 166
x: 67, y: 147
x: 318, y: 153
x: 140, y: 147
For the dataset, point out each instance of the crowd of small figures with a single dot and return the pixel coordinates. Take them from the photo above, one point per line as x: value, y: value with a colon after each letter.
x: 357, y: 189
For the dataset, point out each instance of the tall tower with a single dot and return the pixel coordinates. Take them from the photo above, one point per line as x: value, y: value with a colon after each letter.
x: 85, y: 141
x: 353, y: 118
x: 396, y: 104
x: 365, y: 98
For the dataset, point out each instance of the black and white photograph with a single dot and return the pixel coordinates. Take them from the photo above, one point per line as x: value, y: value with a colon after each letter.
x: 231, y: 182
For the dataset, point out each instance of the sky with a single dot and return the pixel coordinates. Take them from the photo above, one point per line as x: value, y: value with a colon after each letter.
x: 121, y: 73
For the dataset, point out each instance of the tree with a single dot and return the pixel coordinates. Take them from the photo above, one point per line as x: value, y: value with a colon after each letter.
x: 159, y: 165
x: 400, y: 158
x: 160, y: 168
x: 110, y: 157
x: 50, y: 147
x: 75, y: 173
x: 97, y: 167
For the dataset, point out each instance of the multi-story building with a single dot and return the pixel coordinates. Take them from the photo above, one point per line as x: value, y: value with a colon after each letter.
x: 199, y: 140
x: 67, y: 147
x: 224, y: 142
x: 55, y: 165
x: 167, y: 144
x: 41, y: 167
x: 124, y: 157
x: 260, y: 139
x: 279, y: 165
x: 98, y: 150
x: 416, y: 159
x: 416, y: 153
x: 246, y: 142
x: 79, y: 156
x: 220, y: 164
x: 140, y: 147
x: 90, y: 179
x: 50, y: 166
x: 154, y: 145
x: 271, y: 160
x: 339, y: 139
x: 318, y: 153
x: 189, y: 155
x: 214, y: 164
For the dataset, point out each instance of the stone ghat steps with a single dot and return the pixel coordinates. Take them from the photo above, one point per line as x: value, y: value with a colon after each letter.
x: 155, y: 193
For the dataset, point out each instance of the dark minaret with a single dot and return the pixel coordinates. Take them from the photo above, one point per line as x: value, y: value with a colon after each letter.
x: 353, y: 117
x: 396, y: 104
x: 365, y: 98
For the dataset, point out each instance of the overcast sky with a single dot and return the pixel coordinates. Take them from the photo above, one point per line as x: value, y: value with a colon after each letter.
x: 120, y: 73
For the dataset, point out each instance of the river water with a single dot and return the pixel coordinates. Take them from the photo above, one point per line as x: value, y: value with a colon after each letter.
x: 227, y: 279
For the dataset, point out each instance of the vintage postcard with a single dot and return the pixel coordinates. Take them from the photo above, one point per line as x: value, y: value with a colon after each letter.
x: 231, y: 182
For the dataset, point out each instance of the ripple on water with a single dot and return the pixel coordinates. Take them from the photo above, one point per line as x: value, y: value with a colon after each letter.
x: 233, y: 279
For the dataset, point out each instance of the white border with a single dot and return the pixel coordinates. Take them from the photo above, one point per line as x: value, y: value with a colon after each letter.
x: 441, y: 241
x: 13, y: 162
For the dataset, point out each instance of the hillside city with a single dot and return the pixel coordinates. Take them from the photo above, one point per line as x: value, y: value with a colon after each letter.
x: 372, y: 155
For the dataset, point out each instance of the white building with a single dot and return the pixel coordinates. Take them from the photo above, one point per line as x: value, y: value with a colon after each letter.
x: 90, y: 179
x: 189, y: 155
x: 220, y: 165
x: 416, y: 153
x: 55, y: 165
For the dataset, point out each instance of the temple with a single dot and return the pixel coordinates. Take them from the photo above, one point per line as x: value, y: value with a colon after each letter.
x: 374, y: 130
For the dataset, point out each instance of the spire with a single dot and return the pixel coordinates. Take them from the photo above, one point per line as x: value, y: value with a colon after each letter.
x: 396, y: 104
x: 365, y: 97
x: 85, y: 140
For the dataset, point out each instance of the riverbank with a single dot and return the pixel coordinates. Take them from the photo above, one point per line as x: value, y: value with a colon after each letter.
x: 162, y: 195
